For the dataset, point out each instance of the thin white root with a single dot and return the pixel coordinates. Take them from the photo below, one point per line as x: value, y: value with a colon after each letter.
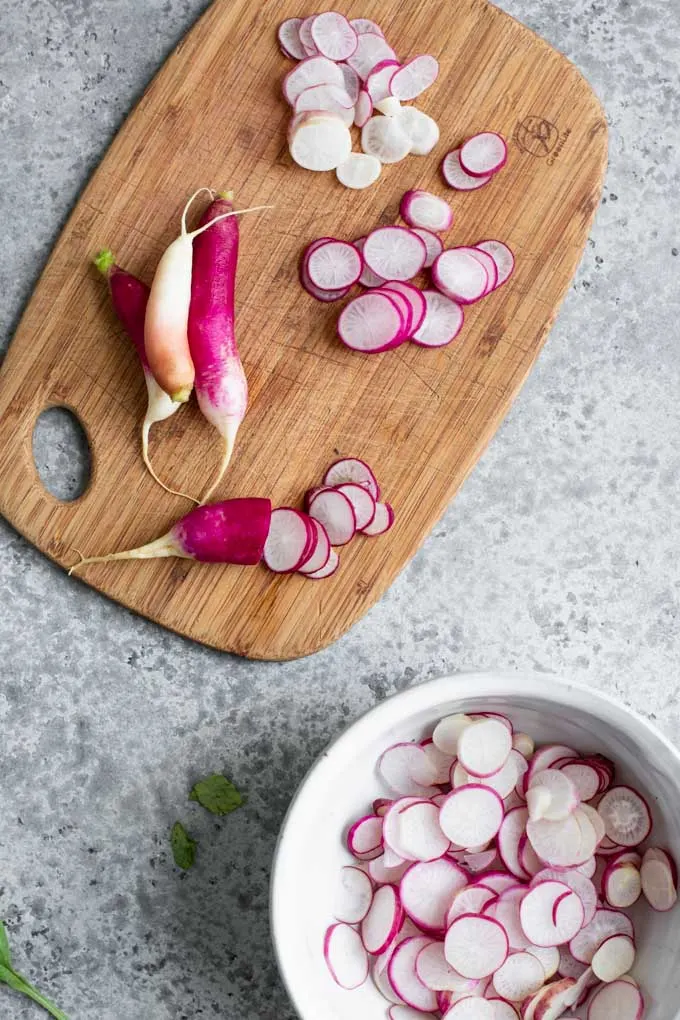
x: 146, y: 428
x: 190, y: 203
x: 225, y: 216
x: 229, y: 444
x: 160, y: 548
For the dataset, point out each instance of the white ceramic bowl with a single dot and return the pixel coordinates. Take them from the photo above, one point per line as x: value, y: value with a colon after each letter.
x: 343, y: 782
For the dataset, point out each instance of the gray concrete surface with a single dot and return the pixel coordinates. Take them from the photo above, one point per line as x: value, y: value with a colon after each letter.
x: 561, y: 553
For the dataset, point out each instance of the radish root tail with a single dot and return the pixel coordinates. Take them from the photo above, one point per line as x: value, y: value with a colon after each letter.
x: 146, y: 428
x: 225, y: 216
x: 229, y: 443
x: 190, y: 203
x: 160, y: 548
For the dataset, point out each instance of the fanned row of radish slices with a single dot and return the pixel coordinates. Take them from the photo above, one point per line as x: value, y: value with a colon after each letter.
x: 491, y: 882
x: 349, y: 75
x: 392, y: 309
x: 345, y: 504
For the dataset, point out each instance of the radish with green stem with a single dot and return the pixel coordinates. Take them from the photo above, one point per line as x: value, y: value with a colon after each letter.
x: 130, y: 297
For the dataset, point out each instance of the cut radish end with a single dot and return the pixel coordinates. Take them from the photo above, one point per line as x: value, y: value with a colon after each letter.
x: 382, y: 522
x: 439, y: 759
x: 614, y: 958
x: 476, y: 946
x: 354, y: 896
x: 551, y: 914
x: 407, y: 770
x: 384, y: 919
x: 521, y: 742
x: 471, y: 815
x: 289, y: 39
x: 448, y: 730
x: 405, y: 981
x: 472, y: 1008
x: 509, y: 839
x: 456, y: 177
x: 345, y: 956
x: 322, y: 551
x: 312, y: 71
x: 420, y: 833
x: 551, y: 795
x: 428, y: 888
x: 378, y: 81
x: 333, y: 35
x: 483, y: 154
x: 436, y: 972
x: 368, y: 278
x: 422, y: 130
x: 371, y: 50
x: 371, y: 323
x: 362, y: 502
x: 622, y: 885
x: 327, y: 571
x: 460, y: 275
x: 385, y: 138
x: 658, y: 880
x: 365, y: 838
x: 443, y: 321
x: 605, y: 923
x: 434, y: 245
x: 334, y: 265
x: 422, y: 209
x: 626, y: 816
x: 471, y: 899
x: 582, y: 886
x: 362, y: 26
x: 414, y: 77
x: 320, y: 141
x: 363, y: 110
x: 520, y: 976
x: 418, y: 307
x: 335, y: 512
x: 484, y: 748
x: 359, y: 171
x: 308, y: 44
x: 351, y: 469
x: 619, y: 1000
x: 289, y: 541
x: 394, y: 253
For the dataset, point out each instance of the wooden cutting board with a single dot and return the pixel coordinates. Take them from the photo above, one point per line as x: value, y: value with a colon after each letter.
x: 214, y: 116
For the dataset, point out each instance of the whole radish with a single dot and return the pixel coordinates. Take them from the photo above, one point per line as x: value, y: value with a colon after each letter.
x: 234, y: 531
x: 221, y: 385
x: 166, y: 338
x: 129, y: 297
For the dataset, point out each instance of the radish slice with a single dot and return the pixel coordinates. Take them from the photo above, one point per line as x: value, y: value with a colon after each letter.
x: 622, y: 885
x: 443, y: 321
x: 359, y: 171
x: 420, y: 833
x: 394, y: 253
x: 402, y: 974
x: 371, y: 323
x: 335, y: 512
x: 447, y: 732
x: 394, y: 851
x: 334, y: 265
x: 569, y: 967
x: 333, y: 35
x: 351, y: 469
x: 439, y: 759
x: 582, y: 886
x: 383, y: 921
x: 472, y: 1008
x: 506, y: 910
x: 460, y: 275
x: 345, y: 956
x: 362, y: 502
x: 289, y: 39
x: 471, y: 815
x: 659, y: 883
x: 560, y: 844
x: 491, y: 269
x: 365, y: 838
x: 362, y: 26
x: 383, y: 984
x: 317, y: 292
x: 384, y: 137
x: 312, y: 71
x: 605, y: 923
x: 483, y: 154
x: 308, y: 44
x: 626, y: 816
x: 354, y: 896
x: 472, y: 899
x: 363, y: 110
x: 433, y: 244
x: 509, y: 838
x: 327, y: 571
x: 422, y: 209
x: 427, y: 889
x: 407, y: 769
x: 389, y: 107
x: 422, y: 130
x: 551, y: 914
x: 498, y: 882
x: 371, y: 50
x: 521, y: 742
x: 289, y: 541
x: 352, y: 83
x: 456, y: 177
x: 620, y: 1000
x: 414, y: 297
x: 551, y: 795
x: 319, y: 141
x: 434, y: 970
x: 502, y: 1010
x: 327, y: 99
x: 586, y: 779
x: 382, y: 875
x: 378, y: 81
x: 322, y: 552
x: 476, y: 946
x: 414, y: 77
x: 405, y: 307
x: 614, y: 958
x: 382, y: 522
x: 520, y: 976
x: 484, y: 748
x: 501, y: 782
x: 528, y: 857
x: 478, y: 862
x: 549, y: 958
x: 368, y: 278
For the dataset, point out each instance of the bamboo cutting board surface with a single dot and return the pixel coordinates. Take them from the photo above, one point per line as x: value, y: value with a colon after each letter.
x: 214, y: 116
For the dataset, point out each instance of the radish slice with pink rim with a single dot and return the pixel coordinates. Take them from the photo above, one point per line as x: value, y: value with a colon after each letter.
x: 434, y: 245
x: 365, y: 837
x: 322, y: 551
x: 382, y: 983
x: 586, y: 779
x: 326, y: 99
x: 491, y: 269
x: 405, y: 307
x: 619, y: 1000
x: 334, y: 265
x: 382, y: 522
x: 424, y: 210
x: 479, y: 862
x: 443, y: 321
x: 622, y: 885
x: 333, y: 35
x: 353, y: 896
x: 509, y: 838
x: 371, y: 50
x: 456, y: 177
x: 549, y: 958
x: 561, y: 844
x: 497, y: 882
x: 551, y: 795
x: 418, y: 306
x: 362, y: 502
x: 359, y: 171
x: 448, y: 730
x: 352, y: 83
x: 659, y: 883
x: 502, y: 1010
x: 316, y: 292
x: 312, y: 71
x: 414, y: 77
x: 420, y: 834
x: 427, y: 889
x: 327, y: 571
x: 362, y: 26
x: 484, y: 747
x: 606, y: 922
x: 626, y: 816
x: 383, y: 921
x: 382, y: 875
x: 378, y: 81
x: 351, y: 469
x: 435, y: 972
x: 461, y: 276
x: 483, y: 154
x: 345, y: 956
x: 476, y: 946
x: 502, y: 782
x: 308, y: 44
x: 405, y: 981
x: 420, y: 127
x: 614, y: 958
x: 289, y: 542
x: 440, y: 761
x: 319, y: 140
x: 506, y: 910
x: 472, y: 1008
x: 385, y: 138
x: 471, y: 815
x: 582, y: 886
x: 551, y: 914
x: 363, y: 109
x: 407, y: 769
x: 289, y: 38
x: 368, y: 278
x: 335, y: 512
x: 519, y: 977
x: 471, y: 899
x: 371, y: 324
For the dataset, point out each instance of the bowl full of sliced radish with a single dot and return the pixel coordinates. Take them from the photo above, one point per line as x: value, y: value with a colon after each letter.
x: 484, y: 847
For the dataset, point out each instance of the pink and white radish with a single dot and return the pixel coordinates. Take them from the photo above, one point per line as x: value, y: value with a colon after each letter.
x: 621, y: 885
x: 427, y: 889
x: 502, y: 256
x: 382, y: 521
x: 476, y: 947
x: 371, y: 50
x: 582, y: 886
x: 471, y: 815
x: 483, y: 154
x: 456, y: 177
x: 626, y: 816
x: 448, y: 731
x: 353, y: 896
x: 470, y: 899
x: 346, y: 957
x: 321, y: 553
x: 435, y: 972
x: 659, y: 880
x: 414, y: 297
x: 420, y: 834
x: 351, y: 469
x: 319, y: 141
x: 365, y: 838
x: 368, y: 278
x: 403, y: 976
x: 422, y: 129
x: 551, y: 795
x: 407, y: 770
x: 484, y: 747
x: 333, y: 264
x: 334, y: 510
x: 384, y: 919
x: 414, y: 77
x: 433, y: 244
x: 363, y: 25
x: 352, y: 82
x: 371, y: 324
x: 614, y: 958
x: 443, y: 321
x: 620, y: 1000
x: 333, y: 35
x: 606, y: 922
x: 310, y: 72
x: 359, y: 171
x: 385, y: 138
x: 290, y: 542
x: 362, y: 502
x: 520, y: 976
x: 422, y: 209
x: 305, y: 32
x: 363, y: 111
x: 460, y: 275
x: 329, y: 98
x: 378, y: 82
x: 551, y: 914
x: 289, y: 39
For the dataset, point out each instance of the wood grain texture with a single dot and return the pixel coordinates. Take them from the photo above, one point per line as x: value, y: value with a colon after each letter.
x: 214, y: 115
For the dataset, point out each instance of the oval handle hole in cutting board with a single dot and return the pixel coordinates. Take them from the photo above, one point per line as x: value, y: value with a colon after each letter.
x: 61, y: 453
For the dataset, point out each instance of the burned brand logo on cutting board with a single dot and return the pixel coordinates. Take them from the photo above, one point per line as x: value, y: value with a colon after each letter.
x: 540, y: 138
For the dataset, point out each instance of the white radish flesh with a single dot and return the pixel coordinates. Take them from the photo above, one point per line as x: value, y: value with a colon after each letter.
x: 626, y: 816
x: 405, y: 981
x: 422, y: 209
x: 484, y: 747
x: 335, y: 512
x: 561, y: 797
x: 658, y: 881
x: 289, y: 541
x: 289, y: 38
x: 434, y: 970
x: 506, y: 910
x: 365, y: 837
x: 491, y: 269
x: 322, y: 551
x: 418, y: 306
x: 363, y: 110
x: 509, y: 838
x: 614, y: 958
x: 622, y: 885
x: 439, y: 759
x: 548, y: 956
x: 308, y: 44
x: 605, y: 923
x: 560, y: 844
x: 414, y: 77
x: 428, y: 888
x: 476, y: 946
x: 362, y: 502
x: 333, y: 35
x: 354, y: 896
x: 471, y: 1008
x: 471, y: 899
x: 586, y: 778
x: 334, y: 265
x: 368, y: 278
x: 345, y: 956
x: 351, y: 469
x: 359, y: 171
x: 331, y: 566
x: 371, y: 50
x: 618, y: 1001
x: 371, y: 323
x: 433, y: 244
x: 448, y: 730
x: 384, y: 919
x: 385, y: 138
x: 502, y: 782
x: 471, y: 815
x: 352, y: 83
x: 378, y: 81
x: 394, y: 253
x: 502, y: 1010
x: 420, y: 833
x: 520, y: 976
x: 389, y: 107
x: 319, y: 141
x: 362, y: 26
x: 382, y: 522
x: 310, y: 72
x: 582, y: 886
x: 382, y: 875
x: 456, y: 177
x: 407, y: 770
x: 551, y: 914
x: 460, y: 275
x: 422, y: 129
x: 443, y: 321
x: 483, y: 154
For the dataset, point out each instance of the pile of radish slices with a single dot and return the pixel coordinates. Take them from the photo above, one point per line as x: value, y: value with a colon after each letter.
x: 392, y: 309
x: 345, y: 504
x: 492, y: 883
x: 347, y: 72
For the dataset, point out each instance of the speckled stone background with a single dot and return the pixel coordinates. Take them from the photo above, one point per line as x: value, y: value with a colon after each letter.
x: 560, y: 554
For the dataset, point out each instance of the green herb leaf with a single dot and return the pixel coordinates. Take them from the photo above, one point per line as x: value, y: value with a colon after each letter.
x: 217, y: 795
x: 5, y: 954
x: 183, y: 846
x: 19, y: 984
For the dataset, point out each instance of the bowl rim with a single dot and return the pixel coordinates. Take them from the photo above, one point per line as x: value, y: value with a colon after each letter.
x: 452, y: 687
